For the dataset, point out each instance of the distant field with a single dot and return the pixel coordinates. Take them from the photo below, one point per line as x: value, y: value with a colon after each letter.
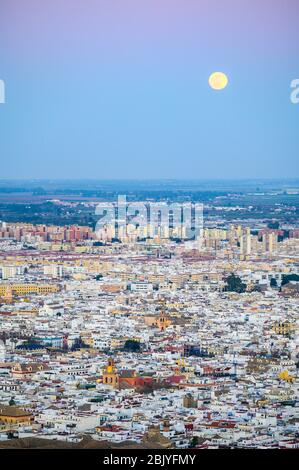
x: 28, y: 201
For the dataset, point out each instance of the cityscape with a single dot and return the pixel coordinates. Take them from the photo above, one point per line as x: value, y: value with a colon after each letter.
x: 126, y: 338
x: 149, y: 232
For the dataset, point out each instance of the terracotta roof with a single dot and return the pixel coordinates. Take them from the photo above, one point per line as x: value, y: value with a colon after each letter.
x: 30, y: 367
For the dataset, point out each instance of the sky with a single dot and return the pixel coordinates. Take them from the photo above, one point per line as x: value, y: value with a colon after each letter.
x: 112, y: 89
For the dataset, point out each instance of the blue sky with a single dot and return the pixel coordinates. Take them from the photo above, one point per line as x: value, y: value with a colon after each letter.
x: 122, y: 92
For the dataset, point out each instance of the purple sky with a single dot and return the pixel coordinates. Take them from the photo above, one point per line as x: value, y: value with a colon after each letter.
x: 122, y: 80
x: 126, y: 28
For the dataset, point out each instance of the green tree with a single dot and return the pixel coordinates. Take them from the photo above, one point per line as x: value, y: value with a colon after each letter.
x: 286, y: 278
x: 273, y: 225
x: 234, y: 284
x: 132, y: 345
x: 257, y: 288
x: 194, y: 441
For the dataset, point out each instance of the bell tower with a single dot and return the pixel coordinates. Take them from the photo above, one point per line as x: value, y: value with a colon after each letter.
x: 110, y: 376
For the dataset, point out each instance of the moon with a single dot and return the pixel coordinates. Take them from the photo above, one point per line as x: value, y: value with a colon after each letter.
x: 218, y: 80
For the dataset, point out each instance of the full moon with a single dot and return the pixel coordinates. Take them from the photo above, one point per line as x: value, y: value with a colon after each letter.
x: 218, y: 80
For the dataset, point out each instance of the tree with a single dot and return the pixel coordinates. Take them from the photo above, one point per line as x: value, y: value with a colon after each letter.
x: 99, y: 277
x: 78, y: 344
x: 194, y: 441
x: 257, y: 288
x: 286, y: 278
x: 131, y: 345
x: 273, y: 225
x: 234, y: 284
x: 12, y: 402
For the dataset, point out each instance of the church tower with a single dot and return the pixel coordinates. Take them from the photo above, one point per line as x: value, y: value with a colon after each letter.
x: 110, y: 376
